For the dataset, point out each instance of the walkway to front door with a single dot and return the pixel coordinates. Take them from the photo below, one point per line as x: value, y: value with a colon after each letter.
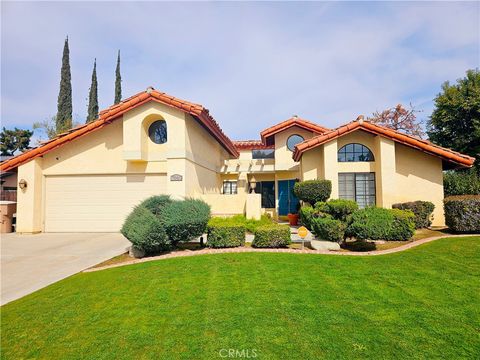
x: 287, y: 201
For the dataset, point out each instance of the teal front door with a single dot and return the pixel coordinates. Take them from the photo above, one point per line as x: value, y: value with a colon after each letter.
x: 287, y: 201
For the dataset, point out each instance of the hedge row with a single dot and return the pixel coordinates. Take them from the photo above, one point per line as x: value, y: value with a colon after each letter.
x: 461, y: 183
x: 272, y: 236
x: 462, y: 213
x: 225, y: 235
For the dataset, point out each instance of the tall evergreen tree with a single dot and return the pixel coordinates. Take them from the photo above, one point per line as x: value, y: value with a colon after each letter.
x: 118, y: 81
x: 93, y: 96
x: 64, y: 105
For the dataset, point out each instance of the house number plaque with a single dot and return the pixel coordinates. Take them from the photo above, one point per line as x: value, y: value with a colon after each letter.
x: 176, y: 177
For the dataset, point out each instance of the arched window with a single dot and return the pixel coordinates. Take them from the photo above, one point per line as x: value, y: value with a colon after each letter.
x: 157, y: 132
x: 355, y: 152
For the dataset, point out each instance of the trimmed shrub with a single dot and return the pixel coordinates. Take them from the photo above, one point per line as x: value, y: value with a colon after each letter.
x: 226, y: 235
x: 461, y: 183
x: 156, y: 203
x: 462, y: 213
x: 341, y: 209
x: 272, y: 236
x: 306, y: 214
x: 329, y: 229
x: 403, y: 226
x: 422, y: 209
x: 145, y: 231
x: 381, y: 224
x: 184, y: 220
x: 313, y: 191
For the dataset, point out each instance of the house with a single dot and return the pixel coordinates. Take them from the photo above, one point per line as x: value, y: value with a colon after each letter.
x: 89, y: 178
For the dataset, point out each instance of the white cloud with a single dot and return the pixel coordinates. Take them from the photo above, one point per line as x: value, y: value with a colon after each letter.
x: 252, y: 64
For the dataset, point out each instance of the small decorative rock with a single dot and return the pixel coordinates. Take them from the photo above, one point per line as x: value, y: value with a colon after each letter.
x: 136, y: 252
x: 324, y: 245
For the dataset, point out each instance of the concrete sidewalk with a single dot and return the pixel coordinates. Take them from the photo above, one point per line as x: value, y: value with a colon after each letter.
x: 31, y: 262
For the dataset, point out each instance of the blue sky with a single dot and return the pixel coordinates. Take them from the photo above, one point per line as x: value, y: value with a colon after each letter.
x: 251, y: 64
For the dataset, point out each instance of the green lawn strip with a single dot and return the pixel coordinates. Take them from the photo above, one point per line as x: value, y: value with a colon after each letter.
x: 420, y: 303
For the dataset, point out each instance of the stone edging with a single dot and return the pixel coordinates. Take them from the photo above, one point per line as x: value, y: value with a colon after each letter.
x: 206, y: 251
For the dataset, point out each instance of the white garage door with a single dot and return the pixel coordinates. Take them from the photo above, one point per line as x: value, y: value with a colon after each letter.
x: 96, y: 203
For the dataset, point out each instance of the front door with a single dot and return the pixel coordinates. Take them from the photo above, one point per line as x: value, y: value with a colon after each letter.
x: 287, y: 201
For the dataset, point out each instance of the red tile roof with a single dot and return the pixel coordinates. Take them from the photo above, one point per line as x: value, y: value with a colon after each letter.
x: 414, y: 142
x: 293, y: 121
x: 251, y: 145
x: 114, y: 112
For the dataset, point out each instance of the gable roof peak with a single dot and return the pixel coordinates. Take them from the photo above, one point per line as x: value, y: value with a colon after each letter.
x: 426, y: 146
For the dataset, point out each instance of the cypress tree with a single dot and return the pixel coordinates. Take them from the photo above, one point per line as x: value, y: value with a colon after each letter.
x: 93, y: 96
x: 64, y: 105
x: 118, y: 81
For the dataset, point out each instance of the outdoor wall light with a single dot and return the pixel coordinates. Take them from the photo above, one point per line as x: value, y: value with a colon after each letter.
x: 22, y: 184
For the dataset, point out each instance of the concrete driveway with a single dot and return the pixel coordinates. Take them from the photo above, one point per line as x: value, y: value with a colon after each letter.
x: 31, y: 262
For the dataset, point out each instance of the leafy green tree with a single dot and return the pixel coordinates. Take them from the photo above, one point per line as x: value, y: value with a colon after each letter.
x: 455, y: 121
x: 14, y: 140
x: 118, y: 81
x: 93, y: 96
x: 64, y: 105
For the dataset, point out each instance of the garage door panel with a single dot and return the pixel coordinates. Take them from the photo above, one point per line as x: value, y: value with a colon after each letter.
x: 96, y: 202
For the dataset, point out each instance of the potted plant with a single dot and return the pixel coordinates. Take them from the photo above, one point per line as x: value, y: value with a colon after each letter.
x: 293, y: 217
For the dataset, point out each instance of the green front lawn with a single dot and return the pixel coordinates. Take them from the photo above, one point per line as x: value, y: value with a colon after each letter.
x: 421, y: 303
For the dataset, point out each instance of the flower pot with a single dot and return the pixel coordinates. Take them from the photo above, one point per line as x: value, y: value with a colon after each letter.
x: 293, y: 219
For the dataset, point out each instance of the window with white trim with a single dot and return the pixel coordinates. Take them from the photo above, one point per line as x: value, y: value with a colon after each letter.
x: 229, y: 187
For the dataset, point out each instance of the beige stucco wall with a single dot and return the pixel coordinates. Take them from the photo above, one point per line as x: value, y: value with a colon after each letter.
x: 29, y: 200
x: 419, y: 177
x: 283, y: 156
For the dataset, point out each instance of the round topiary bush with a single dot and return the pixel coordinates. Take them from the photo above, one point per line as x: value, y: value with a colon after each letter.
x: 313, y: 191
x: 145, y: 231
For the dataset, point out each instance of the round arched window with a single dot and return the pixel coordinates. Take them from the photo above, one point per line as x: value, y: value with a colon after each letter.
x: 157, y: 132
x: 294, y: 140
x: 355, y: 152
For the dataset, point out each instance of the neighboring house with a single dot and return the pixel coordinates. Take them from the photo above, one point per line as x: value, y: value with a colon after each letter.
x: 8, y: 182
x: 89, y: 178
